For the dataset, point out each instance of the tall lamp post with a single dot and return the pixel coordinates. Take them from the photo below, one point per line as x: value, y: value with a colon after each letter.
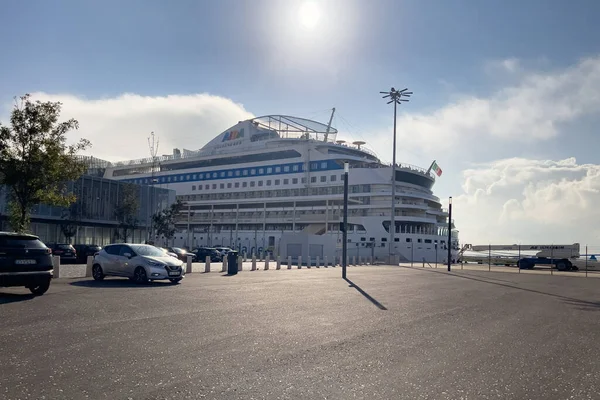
x: 395, y: 97
x: 345, y: 227
x: 449, y: 233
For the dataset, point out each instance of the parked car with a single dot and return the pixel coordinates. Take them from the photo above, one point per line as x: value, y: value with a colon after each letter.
x: 66, y: 251
x: 167, y: 252
x: 203, y: 252
x: 182, y: 253
x: 139, y: 262
x: 223, y: 250
x: 85, y: 250
x: 25, y: 261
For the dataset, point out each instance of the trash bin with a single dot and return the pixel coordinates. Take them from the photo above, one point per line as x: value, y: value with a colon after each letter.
x: 232, y: 259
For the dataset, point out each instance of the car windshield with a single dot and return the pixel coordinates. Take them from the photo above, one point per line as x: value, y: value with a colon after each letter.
x: 178, y: 250
x: 147, y: 250
x: 64, y: 246
x: 24, y: 242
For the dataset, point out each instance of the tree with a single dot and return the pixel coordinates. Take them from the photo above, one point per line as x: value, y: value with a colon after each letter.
x: 70, y: 218
x: 35, y: 160
x: 127, y: 210
x: 164, y: 221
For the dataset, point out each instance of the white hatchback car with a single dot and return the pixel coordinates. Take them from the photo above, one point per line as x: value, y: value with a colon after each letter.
x: 139, y: 262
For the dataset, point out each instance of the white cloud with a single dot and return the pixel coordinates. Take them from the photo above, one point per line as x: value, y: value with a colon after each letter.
x: 526, y: 112
x: 119, y: 127
x: 539, y: 201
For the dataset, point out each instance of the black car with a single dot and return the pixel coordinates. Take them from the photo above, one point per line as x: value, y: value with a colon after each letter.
x: 182, y: 253
x: 203, y: 252
x: 25, y: 261
x: 85, y: 250
x: 65, y: 251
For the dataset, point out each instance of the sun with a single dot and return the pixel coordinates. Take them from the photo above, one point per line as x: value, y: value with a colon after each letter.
x: 309, y: 14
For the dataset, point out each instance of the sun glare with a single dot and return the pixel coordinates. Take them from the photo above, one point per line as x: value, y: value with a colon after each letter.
x: 309, y: 14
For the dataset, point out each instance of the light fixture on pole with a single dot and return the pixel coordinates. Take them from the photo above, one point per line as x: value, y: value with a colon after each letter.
x: 449, y: 233
x: 395, y: 97
x: 345, y: 223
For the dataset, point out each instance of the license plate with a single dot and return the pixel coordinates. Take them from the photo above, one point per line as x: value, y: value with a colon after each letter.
x: 174, y: 273
x: 25, y: 262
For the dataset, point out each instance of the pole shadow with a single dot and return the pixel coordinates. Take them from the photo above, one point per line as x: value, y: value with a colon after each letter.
x: 366, y: 295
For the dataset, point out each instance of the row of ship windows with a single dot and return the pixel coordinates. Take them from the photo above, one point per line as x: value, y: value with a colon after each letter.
x: 323, y: 190
x: 267, y: 182
x: 408, y: 240
x: 315, y: 166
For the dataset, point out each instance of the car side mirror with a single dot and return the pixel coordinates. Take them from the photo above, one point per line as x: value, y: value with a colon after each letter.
x: 128, y: 255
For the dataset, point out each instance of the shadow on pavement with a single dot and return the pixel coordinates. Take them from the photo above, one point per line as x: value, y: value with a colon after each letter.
x: 118, y: 283
x: 570, y: 300
x: 6, y: 298
x: 371, y: 299
x: 585, y: 305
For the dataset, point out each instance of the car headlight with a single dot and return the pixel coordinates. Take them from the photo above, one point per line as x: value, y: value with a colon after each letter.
x: 154, y: 264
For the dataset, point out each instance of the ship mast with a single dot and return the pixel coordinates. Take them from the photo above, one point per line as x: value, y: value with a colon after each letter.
x: 329, y: 124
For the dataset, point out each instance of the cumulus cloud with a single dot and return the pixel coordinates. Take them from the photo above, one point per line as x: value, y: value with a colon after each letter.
x: 119, y: 127
x: 530, y: 110
x: 540, y: 201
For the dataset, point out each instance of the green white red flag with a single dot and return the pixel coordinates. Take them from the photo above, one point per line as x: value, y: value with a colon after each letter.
x: 436, y: 168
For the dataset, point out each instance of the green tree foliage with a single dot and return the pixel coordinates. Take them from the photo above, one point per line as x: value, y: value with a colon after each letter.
x: 35, y: 160
x: 164, y: 221
x: 127, y: 209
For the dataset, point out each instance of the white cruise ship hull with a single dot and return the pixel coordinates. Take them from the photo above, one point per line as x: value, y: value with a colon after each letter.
x: 260, y: 179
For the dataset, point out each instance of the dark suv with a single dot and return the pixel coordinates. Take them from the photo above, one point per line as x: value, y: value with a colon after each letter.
x: 67, y: 252
x: 25, y: 261
x: 85, y: 250
x: 203, y: 252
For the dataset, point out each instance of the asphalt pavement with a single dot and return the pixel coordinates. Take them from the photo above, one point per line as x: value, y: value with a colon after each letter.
x: 387, y: 333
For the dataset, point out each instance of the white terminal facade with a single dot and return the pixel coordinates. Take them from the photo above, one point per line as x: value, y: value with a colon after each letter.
x: 279, y: 174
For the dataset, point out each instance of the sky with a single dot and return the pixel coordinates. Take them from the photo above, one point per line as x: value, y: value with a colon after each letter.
x: 506, y: 93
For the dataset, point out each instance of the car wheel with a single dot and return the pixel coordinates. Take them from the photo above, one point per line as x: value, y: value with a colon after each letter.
x: 139, y: 276
x: 97, y: 272
x: 41, y: 288
x: 175, y: 281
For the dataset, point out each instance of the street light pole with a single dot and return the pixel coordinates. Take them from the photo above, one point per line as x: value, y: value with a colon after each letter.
x: 449, y: 232
x: 395, y: 97
x: 345, y: 228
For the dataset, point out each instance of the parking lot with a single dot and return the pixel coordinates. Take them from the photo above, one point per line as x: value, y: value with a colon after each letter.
x: 388, y: 332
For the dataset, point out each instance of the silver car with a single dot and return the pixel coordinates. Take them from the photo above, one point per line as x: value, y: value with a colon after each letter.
x: 139, y: 262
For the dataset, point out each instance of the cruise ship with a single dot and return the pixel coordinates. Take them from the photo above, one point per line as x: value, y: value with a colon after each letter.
x: 280, y: 174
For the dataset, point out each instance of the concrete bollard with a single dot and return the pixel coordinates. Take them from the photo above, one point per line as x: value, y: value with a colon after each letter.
x: 188, y: 265
x: 354, y: 260
x: 289, y: 262
x: 317, y: 262
x: 253, y: 262
x: 56, y: 266
x: 308, y: 262
x: 299, y: 262
x: 224, y: 265
x: 325, y: 261
x: 207, y: 264
x: 240, y: 263
x: 245, y: 257
x: 278, y: 262
x: 88, y: 266
x: 267, y: 262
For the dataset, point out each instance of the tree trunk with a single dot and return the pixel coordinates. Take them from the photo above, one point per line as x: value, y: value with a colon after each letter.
x: 22, y: 219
